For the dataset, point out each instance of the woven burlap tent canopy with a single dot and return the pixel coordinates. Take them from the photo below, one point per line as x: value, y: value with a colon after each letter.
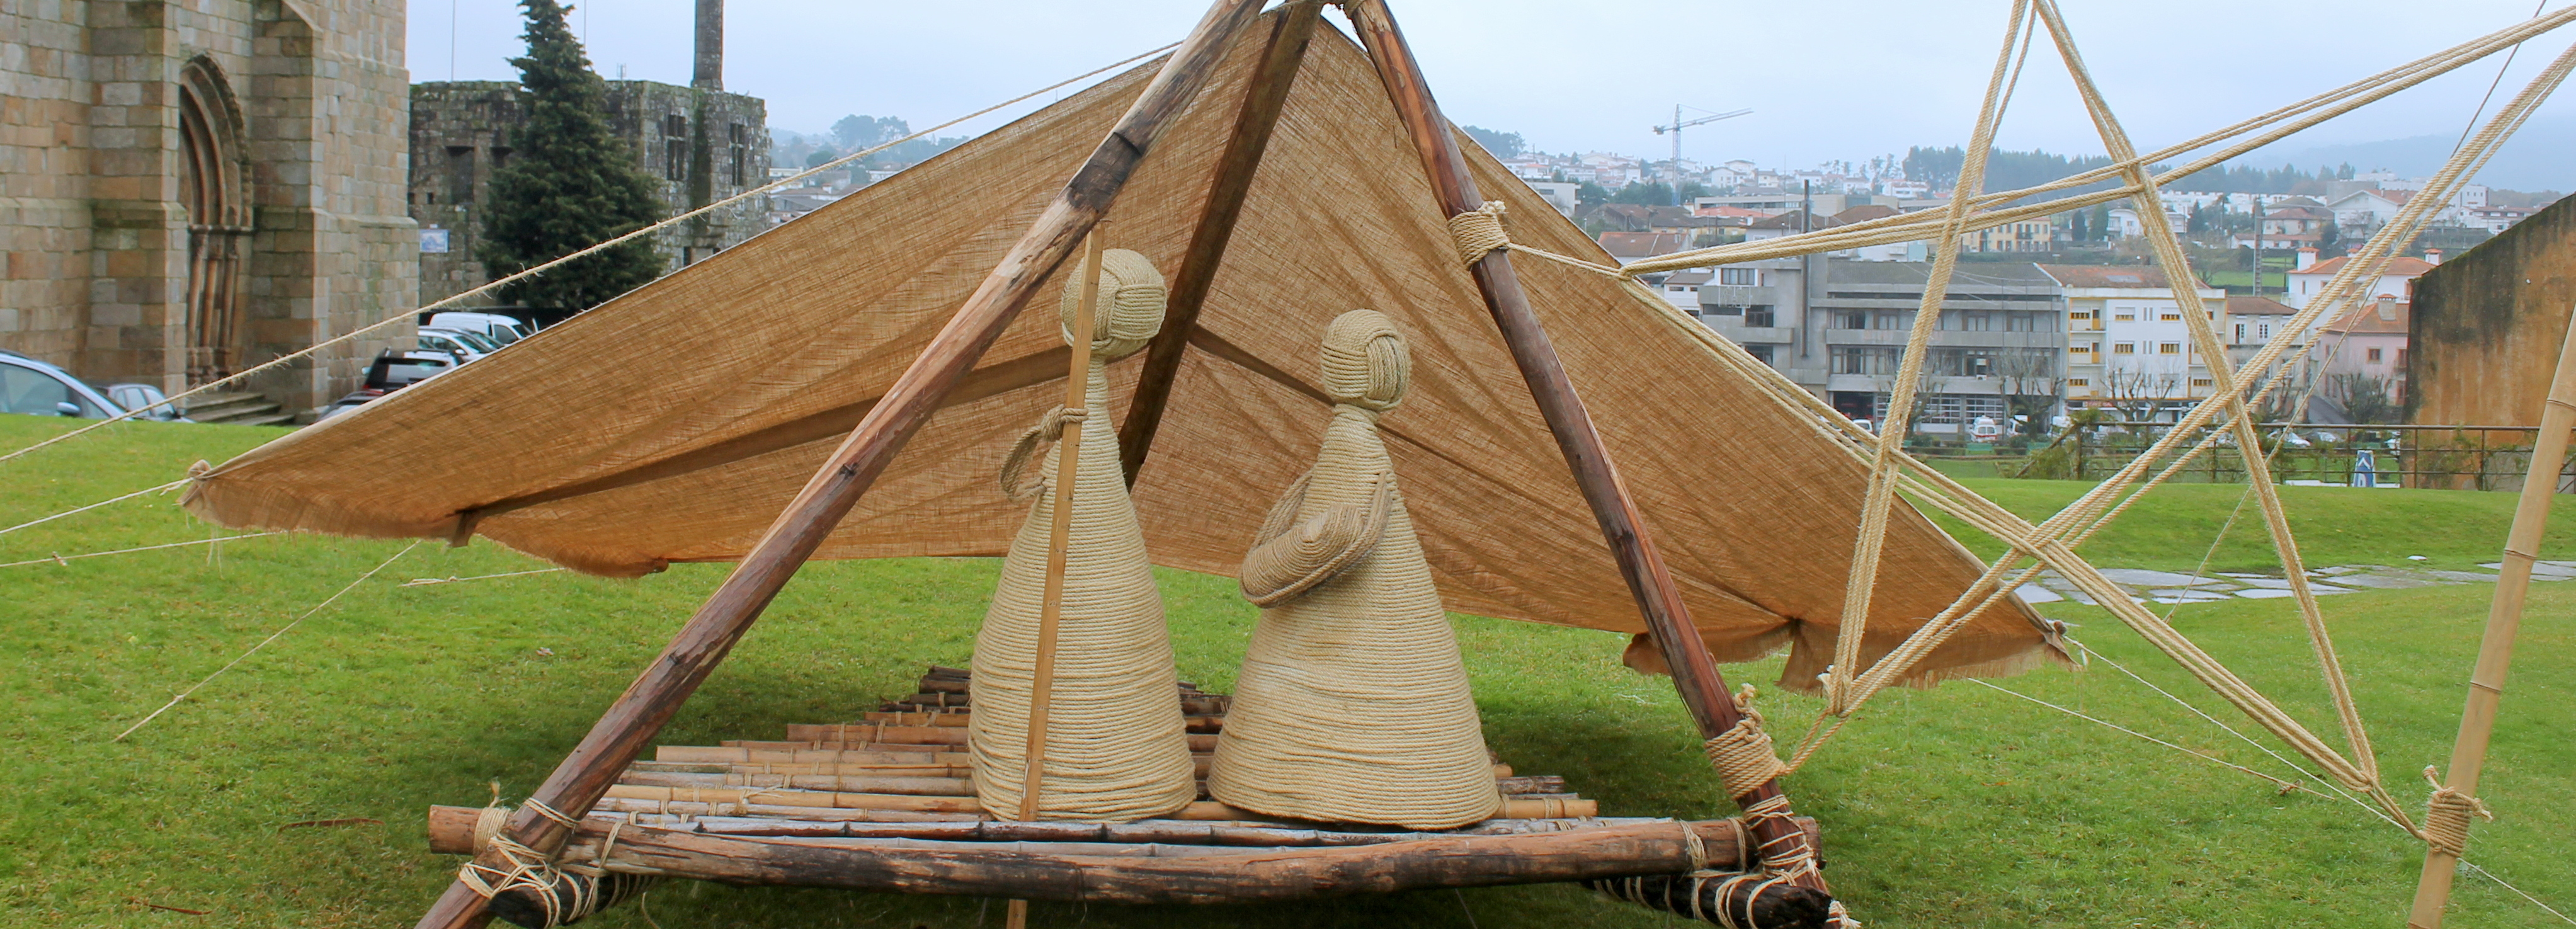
x: 671, y: 424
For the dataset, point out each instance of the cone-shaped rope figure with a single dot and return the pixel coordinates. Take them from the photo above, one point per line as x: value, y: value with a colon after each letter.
x: 1353, y: 705
x: 1115, y: 746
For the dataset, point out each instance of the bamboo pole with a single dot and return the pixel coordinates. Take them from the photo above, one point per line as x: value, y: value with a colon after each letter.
x: 2504, y: 619
x: 1695, y: 676
x: 1077, y: 385
x: 638, y: 714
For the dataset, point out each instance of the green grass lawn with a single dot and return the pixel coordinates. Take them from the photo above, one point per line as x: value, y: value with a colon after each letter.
x: 1958, y: 806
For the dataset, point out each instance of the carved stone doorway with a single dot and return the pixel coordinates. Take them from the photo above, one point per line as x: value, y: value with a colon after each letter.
x: 212, y: 185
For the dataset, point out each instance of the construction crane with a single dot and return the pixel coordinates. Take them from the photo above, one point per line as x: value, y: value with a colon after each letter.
x: 1676, y: 128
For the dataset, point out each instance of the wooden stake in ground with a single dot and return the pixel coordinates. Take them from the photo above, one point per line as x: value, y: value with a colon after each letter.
x: 638, y: 714
x: 2504, y: 619
x: 1068, y: 453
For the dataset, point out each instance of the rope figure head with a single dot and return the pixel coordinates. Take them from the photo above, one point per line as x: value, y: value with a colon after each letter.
x: 1132, y: 295
x: 1365, y: 362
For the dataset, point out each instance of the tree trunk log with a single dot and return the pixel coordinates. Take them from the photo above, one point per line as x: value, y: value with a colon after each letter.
x: 1202, y: 871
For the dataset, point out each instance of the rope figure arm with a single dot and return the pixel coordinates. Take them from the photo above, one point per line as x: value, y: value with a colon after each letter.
x: 1014, y: 477
x: 1290, y: 558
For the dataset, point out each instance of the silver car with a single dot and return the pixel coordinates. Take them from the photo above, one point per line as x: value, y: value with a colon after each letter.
x: 37, y: 388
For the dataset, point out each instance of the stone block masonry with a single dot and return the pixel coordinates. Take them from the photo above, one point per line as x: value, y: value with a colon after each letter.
x: 192, y: 187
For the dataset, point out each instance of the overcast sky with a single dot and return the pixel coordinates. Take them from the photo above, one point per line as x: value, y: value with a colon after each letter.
x: 1826, y: 80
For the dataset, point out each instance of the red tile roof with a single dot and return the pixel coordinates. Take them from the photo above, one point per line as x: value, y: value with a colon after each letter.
x: 1633, y: 245
x: 2367, y: 319
x: 2257, y: 306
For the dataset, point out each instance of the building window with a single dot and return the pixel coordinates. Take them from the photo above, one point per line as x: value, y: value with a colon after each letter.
x: 1736, y: 277
x: 741, y: 137
x: 2171, y: 316
x: 2240, y: 333
x: 1758, y: 315
x: 2124, y: 348
x: 1851, y: 319
x: 1760, y: 351
x: 1887, y: 319
x: 2199, y: 382
x: 2261, y: 331
x: 675, y: 147
x: 2126, y: 316
x: 2079, y: 382
x: 2168, y: 348
x: 2373, y: 356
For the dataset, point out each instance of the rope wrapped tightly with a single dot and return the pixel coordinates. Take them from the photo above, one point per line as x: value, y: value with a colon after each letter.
x: 1353, y: 705
x: 1116, y: 749
x: 1743, y: 755
x: 535, y: 891
x: 1733, y: 900
x: 2446, y: 817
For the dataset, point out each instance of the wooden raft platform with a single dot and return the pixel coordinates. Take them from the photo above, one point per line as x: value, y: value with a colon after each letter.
x: 888, y: 805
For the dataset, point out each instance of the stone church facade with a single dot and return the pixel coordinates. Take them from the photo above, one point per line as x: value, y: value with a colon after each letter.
x: 193, y: 187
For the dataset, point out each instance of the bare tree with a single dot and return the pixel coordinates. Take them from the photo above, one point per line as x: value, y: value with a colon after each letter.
x: 2365, y: 397
x: 2032, y: 386
x: 2138, y: 392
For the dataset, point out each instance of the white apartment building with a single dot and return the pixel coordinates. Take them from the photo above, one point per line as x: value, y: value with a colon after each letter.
x: 2128, y: 346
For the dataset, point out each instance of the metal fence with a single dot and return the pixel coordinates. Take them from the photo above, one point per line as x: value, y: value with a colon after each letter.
x: 2463, y: 457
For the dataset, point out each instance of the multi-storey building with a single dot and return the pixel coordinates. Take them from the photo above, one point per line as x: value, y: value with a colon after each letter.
x: 198, y: 188
x: 1996, y: 352
x: 2128, y: 346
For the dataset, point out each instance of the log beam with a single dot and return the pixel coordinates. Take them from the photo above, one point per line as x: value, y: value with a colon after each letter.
x: 1695, y: 676
x: 1138, y: 873
x: 639, y: 713
x: 1290, y: 33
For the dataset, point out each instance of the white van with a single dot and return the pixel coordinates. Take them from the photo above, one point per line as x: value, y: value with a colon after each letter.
x: 494, y: 326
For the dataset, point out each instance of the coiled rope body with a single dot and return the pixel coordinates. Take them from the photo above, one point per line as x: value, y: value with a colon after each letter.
x: 1116, y: 748
x: 1353, y: 705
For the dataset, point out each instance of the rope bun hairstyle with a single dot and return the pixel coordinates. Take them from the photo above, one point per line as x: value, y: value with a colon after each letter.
x: 1132, y: 296
x: 1365, y: 362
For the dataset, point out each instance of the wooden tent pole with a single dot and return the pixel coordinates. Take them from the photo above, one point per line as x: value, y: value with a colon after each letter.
x: 2504, y: 619
x: 1695, y: 675
x: 1068, y: 468
x: 639, y: 713
x: 1262, y: 100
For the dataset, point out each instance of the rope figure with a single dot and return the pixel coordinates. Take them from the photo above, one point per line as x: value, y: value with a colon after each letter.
x: 540, y: 893
x: 1116, y: 750
x: 1352, y: 705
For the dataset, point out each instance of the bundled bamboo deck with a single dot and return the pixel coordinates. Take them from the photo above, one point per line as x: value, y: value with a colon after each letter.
x: 888, y: 804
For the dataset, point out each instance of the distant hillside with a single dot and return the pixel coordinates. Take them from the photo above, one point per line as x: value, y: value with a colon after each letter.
x: 2534, y: 159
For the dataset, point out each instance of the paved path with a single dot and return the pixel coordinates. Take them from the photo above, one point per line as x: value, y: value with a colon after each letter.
x: 2171, y: 587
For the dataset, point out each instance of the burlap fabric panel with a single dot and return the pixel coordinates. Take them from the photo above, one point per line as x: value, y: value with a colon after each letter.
x: 673, y: 423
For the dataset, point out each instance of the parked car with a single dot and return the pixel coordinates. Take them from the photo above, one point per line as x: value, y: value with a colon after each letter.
x: 390, y: 372
x: 465, y: 346
x: 502, y: 330
x: 41, y: 389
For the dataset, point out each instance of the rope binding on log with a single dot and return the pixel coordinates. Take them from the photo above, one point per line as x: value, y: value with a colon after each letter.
x: 536, y: 890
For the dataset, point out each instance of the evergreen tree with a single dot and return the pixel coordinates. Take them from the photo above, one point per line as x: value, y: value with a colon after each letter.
x: 570, y: 183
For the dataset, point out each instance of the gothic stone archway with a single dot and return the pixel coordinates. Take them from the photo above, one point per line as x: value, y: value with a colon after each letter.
x: 213, y: 187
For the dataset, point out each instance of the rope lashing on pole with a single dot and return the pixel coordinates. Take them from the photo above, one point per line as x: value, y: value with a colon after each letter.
x: 540, y: 891
x: 2447, y: 813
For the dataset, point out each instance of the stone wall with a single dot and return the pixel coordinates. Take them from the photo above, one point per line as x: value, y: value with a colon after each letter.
x: 94, y: 219
x: 700, y: 146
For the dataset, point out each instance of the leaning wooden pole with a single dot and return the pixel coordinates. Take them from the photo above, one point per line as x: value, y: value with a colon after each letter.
x: 1695, y: 675
x: 1290, y: 32
x: 1068, y: 452
x: 2504, y: 619
x: 639, y: 713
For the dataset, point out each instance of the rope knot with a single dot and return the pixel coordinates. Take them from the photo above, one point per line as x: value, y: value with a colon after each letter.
x: 2446, y: 816
x: 1050, y: 428
x: 1479, y: 232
